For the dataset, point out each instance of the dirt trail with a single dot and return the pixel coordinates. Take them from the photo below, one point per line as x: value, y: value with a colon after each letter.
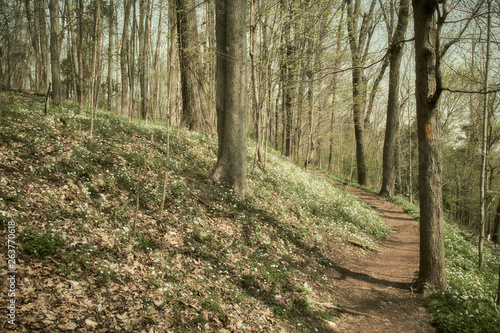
x: 379, y: 283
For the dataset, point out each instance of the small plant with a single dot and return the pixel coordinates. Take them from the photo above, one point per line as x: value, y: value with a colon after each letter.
x: 146, y: 243
x: 45, y: 244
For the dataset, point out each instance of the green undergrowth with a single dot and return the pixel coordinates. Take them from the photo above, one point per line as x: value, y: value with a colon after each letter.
x: 408, y: 207
x: 468, y: 305
x: 213, y: 262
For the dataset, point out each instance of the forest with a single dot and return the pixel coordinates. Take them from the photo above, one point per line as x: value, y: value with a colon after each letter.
x: 166, y: 96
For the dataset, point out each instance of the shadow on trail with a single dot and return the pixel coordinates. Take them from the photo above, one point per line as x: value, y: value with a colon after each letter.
x: 292, y: 236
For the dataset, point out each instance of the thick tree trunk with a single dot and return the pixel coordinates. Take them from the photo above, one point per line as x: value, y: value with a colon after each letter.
x: 393, y: 109
x: 432, y: 273
x: 194, y: 105
x: 55, y: 50
x: 231, y: 95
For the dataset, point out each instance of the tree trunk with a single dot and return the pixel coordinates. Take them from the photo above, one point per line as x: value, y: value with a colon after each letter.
x: 55, y: 50
x: 194, y: 105
x: 144, y: 36
x: 93, y: 81
x: 495, y: 235
x: 358, y: 42
x: 231, y: 95
x: 44, y: 42
x: 258, y: 158
x: 393, y: 108
x: 73, y: 51
x: 33, y: 25
x: 124, y: 58
x: 484, y: 151
x: 80, y: 57
x: 109, y: 80
x: 432, y: 273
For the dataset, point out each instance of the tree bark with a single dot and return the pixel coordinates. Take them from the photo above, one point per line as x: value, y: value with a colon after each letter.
x: 124, y: 58
x: 93, y: 82
x: 55, y: 51
x: 144, y: 36
x: 194, y: 105
x: 484, y: 149
x: 33, y: 25
x: 109, y: 79
x: 393, y: 108
x: 44, y: 42
x: 432, y: 273
x: 358, y: 42
x: 231, y: 95
x: 258, y: 157
x: 80, y: 57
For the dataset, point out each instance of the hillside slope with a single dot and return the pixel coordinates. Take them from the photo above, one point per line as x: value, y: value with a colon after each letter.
x: 88, y: 261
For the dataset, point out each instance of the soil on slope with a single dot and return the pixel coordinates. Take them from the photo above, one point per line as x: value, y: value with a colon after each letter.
x: 378, y: 285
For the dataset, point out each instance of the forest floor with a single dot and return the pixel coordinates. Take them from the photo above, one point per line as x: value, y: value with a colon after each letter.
x: 377, y: 286
x: 93, y: 255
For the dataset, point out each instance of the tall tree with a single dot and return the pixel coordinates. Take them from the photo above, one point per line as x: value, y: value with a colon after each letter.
x: 359, y: 40
x: 94, y: 82
x: 111, y: 31
x: 40, y: 7
x: 231, y: 95
x: 288, y: 74
x: 194, y: 105
x: 393, y: 108
x: 80, y: 56
x: 55, y: 50
x: 484, y: 149
x: 33, y: 24
x: 124, y: 54
x: 432, y: 274
x: 144, y: 37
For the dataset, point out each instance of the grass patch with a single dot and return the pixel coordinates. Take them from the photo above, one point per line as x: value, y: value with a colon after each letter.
x: 42, y: 244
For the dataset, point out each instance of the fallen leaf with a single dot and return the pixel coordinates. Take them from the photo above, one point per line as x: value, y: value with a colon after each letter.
x: 69, y: 326
x: 91, y: 323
